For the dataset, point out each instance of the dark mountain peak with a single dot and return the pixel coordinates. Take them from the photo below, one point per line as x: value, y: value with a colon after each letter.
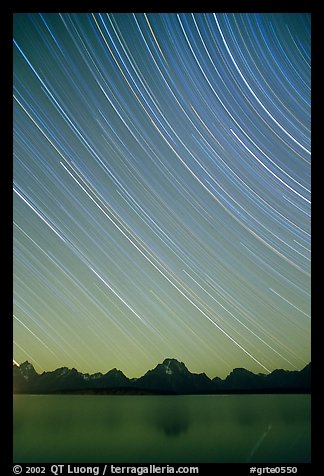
x: 169, y: 361
x: 113, y: 378
x: 173, y: 365
x: 27, y: 370
x: 64, y: 372
x: 240, y: 371
x: 115, y: 373
x: 217, y: 380
x: 27, y: 366
x: 168, y: 367
x: 91, y: 377
x: 279, y: 371
x: 24, y: 374
x: 173, y: 376
x: 241, y: 378
x: 95, y: 376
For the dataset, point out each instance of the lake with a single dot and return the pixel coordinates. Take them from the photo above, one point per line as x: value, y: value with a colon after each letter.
x: 162, y: 429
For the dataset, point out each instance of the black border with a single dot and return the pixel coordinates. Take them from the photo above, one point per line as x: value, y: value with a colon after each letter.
x: 261, y: 6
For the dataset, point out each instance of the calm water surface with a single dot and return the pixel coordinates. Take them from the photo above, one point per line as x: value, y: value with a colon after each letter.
x: 162, y: 429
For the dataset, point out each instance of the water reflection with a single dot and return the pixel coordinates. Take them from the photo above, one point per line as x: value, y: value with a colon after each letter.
x: 171, y: 416
x: 232, y: 428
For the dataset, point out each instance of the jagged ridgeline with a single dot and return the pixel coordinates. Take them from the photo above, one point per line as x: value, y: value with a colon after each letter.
x: 169, y: 377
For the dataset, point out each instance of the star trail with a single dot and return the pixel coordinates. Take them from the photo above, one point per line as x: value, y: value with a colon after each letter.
x: 161, y: 193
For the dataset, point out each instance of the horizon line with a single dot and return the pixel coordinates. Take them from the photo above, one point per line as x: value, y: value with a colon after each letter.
x: 159, y: 363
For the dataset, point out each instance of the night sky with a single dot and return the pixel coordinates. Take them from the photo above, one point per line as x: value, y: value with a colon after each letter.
x: 161, y: 191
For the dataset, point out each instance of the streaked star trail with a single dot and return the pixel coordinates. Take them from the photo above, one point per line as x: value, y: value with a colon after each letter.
x: 162, y: 190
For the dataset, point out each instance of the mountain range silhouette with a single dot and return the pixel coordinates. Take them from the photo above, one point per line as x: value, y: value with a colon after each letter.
x: 169, y: 377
